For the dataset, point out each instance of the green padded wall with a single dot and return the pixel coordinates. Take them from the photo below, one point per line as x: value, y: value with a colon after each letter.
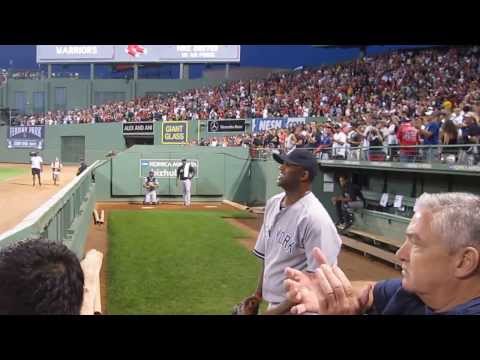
x: 99, y: 140
x: 223, y: 172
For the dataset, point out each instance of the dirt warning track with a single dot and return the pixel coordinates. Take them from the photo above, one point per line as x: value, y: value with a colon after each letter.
x: 18, y: 197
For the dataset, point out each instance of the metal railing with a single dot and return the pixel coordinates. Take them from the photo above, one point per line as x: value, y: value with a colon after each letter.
x: 64, y: 217
x: 461, y: 154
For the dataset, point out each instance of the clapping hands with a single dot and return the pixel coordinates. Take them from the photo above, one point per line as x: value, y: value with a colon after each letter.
x: 327, y: 291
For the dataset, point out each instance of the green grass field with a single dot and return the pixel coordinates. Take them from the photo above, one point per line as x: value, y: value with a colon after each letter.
x: 8, y: 173
x: 177, y: 262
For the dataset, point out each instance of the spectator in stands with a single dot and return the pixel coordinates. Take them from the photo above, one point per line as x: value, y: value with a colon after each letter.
x: 351, y: 198
x: 267, y: 139
x: 392, y: 140
x: 339, y: 143
x: 275, y: 142
x: 257, y: 140
x: 354, y: 139
x: 324, y: 143
x: 292, y: 140
x: 213, y: 142
x: 440, y: 268
x: 408, y: 137
x: 309, y: 141
x: 471, y: 130
x: 282, y: 137
x: 457, y: 117
x: 471, y: 135
x: 383, y: 129
x: 431, y: 135
x: 40, y: 277
x: 449, y: 136
x: 375, y: 141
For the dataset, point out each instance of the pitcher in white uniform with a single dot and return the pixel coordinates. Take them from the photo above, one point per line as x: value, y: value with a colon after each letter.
x: 185, y: 173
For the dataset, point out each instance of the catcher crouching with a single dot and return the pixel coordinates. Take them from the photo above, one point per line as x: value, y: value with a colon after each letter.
x: 151, y: 187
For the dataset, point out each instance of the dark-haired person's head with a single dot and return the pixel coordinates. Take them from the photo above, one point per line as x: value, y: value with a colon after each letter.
x: 40, y: 277
x: 343, y: 180
x: 297, y: 169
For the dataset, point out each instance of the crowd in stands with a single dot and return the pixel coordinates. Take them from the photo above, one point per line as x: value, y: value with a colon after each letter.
x: 376, y: 137
x: 370, y: 138
x: 372, y: 100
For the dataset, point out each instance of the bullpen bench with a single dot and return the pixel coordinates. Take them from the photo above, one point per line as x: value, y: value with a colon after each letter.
x: 380, y: 231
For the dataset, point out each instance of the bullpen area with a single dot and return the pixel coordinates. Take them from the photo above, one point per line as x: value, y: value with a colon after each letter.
x: 169, y: 259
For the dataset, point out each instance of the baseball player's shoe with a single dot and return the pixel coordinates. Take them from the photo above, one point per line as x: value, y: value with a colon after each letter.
x: 341, y: 226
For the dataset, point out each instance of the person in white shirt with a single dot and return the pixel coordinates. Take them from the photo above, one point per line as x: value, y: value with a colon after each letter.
x: 392, y: 140
x: 339, y: 143
x: 37, y: 167
x: 457, y: 117
x: 56, y: 168
x: 291, y: 142
x: 366, y: 142
x: 306, y: 111
x: 265, y: 112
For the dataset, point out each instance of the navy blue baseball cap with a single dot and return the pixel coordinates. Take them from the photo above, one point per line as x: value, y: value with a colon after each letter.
x: 299, y: 157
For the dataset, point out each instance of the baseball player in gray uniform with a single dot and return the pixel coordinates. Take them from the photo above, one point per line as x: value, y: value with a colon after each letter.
x: 294, y: 223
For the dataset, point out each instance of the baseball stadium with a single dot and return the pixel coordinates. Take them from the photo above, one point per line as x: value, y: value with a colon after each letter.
x: 184, y: 180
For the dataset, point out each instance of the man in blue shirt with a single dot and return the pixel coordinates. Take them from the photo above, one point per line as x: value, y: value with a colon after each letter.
x: 431, y: 135
x: 440, y: 268
x: 323, y: 143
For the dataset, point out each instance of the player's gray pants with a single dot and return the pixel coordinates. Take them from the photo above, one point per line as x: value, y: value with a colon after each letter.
x: 274, y: 305
x: 186, y: 191
x: 151, y: 197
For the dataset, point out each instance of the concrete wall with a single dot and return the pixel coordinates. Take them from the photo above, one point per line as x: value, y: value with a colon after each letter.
x: 80, y: 92
x: 170, y: 85
x: 241, y: 73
